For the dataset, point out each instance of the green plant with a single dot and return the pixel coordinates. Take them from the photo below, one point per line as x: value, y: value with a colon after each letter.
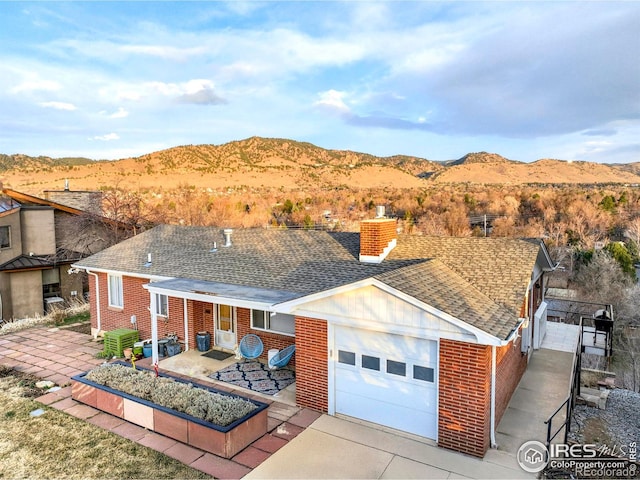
x: 104, y: 354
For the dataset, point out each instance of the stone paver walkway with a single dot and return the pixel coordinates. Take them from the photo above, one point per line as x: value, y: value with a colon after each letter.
x: 59, y: 354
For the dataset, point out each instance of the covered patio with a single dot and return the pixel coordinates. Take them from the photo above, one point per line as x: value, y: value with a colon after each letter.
x: 193, y: 364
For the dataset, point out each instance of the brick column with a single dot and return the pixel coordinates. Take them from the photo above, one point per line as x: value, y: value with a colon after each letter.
x: 312, y: 375
x: 464, y: 397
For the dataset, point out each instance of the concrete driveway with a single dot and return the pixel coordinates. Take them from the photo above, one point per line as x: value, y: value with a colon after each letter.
x: 334, y: 447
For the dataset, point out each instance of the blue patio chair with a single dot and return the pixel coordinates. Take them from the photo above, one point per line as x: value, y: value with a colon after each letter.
x: 281, y: 359
x: 251, y: 346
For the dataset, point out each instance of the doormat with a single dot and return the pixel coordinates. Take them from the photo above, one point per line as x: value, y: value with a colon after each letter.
x: 256, y: 376
x: 217, y: 354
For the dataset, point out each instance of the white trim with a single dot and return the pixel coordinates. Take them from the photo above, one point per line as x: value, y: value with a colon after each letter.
x: 267, y: 321
x: 547, y: 256
x: 382, y: 256
x: 331, y: 370
x: 155, y: 278
x: 154, y: 332
x: 217, y: 332
x: 158, y: 304
x: 493, y: 398
x: 98, y: 315
x: 111, y: 293
x: 293, y: 307
x: 203, y: 297
x: 185, y: 316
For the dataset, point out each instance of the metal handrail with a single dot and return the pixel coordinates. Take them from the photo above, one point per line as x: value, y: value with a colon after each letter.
x: 566, y: 423
x: 574, y: 391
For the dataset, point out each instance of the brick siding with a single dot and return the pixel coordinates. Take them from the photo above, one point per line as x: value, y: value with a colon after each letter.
x: 510, y: 366
x: 312, y: 375
x: 136, y: 302
x: 375, y: 235
x: 464, y: 397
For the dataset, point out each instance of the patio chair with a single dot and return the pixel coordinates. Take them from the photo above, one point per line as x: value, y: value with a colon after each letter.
x: 281, y: 359
x: 251, y: 346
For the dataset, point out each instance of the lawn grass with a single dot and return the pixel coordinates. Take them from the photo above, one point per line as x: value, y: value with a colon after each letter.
x: 77, y: 318
x: 57, y: 445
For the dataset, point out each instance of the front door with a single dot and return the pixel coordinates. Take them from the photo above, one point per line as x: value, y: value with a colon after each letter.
x: 226, y: 326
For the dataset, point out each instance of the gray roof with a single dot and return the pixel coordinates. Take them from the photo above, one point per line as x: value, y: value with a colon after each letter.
x: 26, y: 262
x: 481, y: 281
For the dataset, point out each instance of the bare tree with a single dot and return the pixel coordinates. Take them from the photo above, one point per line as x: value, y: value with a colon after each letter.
x: 602, y: 281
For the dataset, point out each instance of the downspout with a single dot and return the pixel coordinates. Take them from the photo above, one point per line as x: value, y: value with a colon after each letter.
x: 98, y: 317
x: 493, y: 398
x: 154, y: 330
x: 186, y: 325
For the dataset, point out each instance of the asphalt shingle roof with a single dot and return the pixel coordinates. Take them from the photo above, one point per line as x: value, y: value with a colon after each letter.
x: 481, y: 281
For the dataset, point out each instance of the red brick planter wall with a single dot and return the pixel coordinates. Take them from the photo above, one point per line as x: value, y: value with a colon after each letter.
x: 312, y: 386
x: 224, y: 442
x: 464, y: 397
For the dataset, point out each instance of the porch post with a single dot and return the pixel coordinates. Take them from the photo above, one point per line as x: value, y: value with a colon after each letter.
x: 186, y: 324
x: 154, y: 330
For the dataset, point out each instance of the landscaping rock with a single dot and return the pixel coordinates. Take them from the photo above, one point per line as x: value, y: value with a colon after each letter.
x: 618, y: 423
x: 45, y: 384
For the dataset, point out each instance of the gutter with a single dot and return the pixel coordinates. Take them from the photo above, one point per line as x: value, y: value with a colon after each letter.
x: 98, y: 317
x: 493, y: 398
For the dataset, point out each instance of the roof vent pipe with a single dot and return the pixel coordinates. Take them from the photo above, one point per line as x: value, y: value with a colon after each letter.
x: 227, y: 236
x: 380, y: 211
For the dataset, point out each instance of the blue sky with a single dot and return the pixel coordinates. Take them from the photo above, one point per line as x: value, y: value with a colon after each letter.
x: 527, y: 80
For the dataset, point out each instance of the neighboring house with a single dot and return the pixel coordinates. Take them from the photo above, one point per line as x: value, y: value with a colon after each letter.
x: 37, y: 250
x: 426, y: 335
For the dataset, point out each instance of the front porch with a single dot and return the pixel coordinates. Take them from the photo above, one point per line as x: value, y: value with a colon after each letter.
x: 194, y: 364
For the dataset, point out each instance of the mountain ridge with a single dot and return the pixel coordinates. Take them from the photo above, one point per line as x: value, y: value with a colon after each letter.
x: 258, y: 162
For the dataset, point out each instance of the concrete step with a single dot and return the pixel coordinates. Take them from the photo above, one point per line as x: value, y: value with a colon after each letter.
x: 593, y: 397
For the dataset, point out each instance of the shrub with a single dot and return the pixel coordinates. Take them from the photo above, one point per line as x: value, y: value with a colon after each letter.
x: 182, y: 397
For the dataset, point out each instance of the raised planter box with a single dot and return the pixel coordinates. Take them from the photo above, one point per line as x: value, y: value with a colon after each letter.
x: 222, y: 441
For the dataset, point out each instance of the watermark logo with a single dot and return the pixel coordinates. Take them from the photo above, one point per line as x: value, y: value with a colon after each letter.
x: 533, y: 456
x: 580, y: 460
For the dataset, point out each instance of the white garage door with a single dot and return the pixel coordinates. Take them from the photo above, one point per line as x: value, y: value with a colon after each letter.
x: 387, y: 379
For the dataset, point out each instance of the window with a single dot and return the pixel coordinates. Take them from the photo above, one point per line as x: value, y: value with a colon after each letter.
x: 162, y: 305
x: 274, y: 322
x: 225, y: 318
x: 423, y: 373
x: 115, y: 291
x: 372, y: 363
x: 51, y: 282
x: 396, y: 368
x: 5, y: 236
x: 258, y: 319
x: 348, y: 358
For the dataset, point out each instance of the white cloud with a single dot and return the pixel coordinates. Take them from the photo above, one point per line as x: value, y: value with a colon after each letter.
x: 120, y: 113
x: 36, y: 85
x: 333, y: 100
x: 106, y: 138
x: 58, y: 105
x: 164, y: 51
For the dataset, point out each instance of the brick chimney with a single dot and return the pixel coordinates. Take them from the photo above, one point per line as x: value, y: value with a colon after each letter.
x: 377, y: 239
